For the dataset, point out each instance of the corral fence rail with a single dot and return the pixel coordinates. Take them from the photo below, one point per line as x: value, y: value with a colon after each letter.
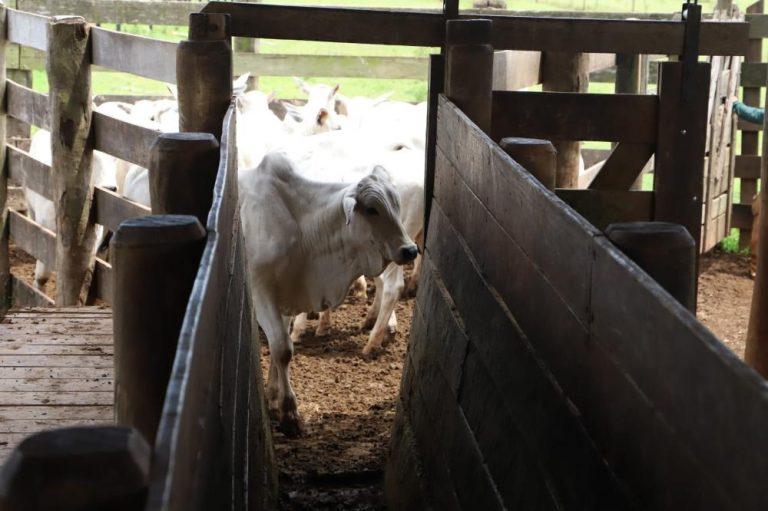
x: 116, y: 137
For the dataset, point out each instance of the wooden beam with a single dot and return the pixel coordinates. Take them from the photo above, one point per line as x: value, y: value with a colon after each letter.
x: 612, y: 36
x: 27, y: 29
x: 622, y: 167
x: 135, y: 12
x: 102, y: 285
x: 742, y: 218
x: 25, y: 295
x: 32, y: 238
x: 27, y: 105
x: 29, y: 171
x: 754, y: 74
x: 111, y: 209
x: 604, y: 207
x: 572, y: 116
x: 758, y: 25
x: 333, y: 24
x: 747, y: 166
x: 125, y: 140
x: 141, y: 56
x: 391, y: 68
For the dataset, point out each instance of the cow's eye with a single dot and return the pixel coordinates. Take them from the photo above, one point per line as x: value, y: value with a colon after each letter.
x: 371, y: 212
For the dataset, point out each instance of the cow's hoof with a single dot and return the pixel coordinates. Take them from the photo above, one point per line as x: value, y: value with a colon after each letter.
x: 371, y: 353
x: 291, y: 425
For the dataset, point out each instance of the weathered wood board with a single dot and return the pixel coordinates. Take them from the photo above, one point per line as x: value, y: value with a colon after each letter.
x: 55, y: 371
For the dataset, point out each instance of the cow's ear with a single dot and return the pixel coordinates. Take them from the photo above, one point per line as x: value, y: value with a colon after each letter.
x: 334, y: 91
x: 381, y: 173
x: 350, y: 203
x: 302, y: 85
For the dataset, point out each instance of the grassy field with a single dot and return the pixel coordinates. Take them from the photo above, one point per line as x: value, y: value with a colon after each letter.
x: 406, y: 90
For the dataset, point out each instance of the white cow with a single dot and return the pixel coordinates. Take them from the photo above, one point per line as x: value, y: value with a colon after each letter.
x: 305, y: 244
x: 318, y: 115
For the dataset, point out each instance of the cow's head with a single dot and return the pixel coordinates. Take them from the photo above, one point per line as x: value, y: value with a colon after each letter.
x: 319, y: 113
x: 372, y: 210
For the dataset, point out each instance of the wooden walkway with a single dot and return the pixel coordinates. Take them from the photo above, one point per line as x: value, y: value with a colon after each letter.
x: 55, y: 371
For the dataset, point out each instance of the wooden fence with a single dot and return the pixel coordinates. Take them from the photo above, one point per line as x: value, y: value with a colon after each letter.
x: 645, y: 417
x: 121, y: 139
x: 545, y: 369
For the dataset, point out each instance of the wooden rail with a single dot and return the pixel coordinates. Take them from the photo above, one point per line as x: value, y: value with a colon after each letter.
x: 133, y: 54
x: 27, y: 105
x: 27, y: 170
x: 125, y: 140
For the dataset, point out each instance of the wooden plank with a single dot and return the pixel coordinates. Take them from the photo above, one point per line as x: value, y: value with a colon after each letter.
x: 692, y: 379
x: 100, y: 361
x: 111, y: 209
x: 392, y: 68
x: 363, y: 26
x: 16, y: 348
x: 117, y: 11
x: 754, y: 74
x: 593, y: 156
x: 749, y: 127
x: 514, y: 70
x: 30, y: 172
x: 748, y: 166
x: 127, y: 141
x: 574, y: 116
x: 758, y: 25
x: 33, y: 238
x: 604, y: 207
x: 612, y: 36
x: 27, y: 105
x: 27, y: 29
x: 44, y: 372
x: 28, y: 426
x: 103, y: 281
x: 25, y: 295
x: 742, y: 217
x: 54, y: 385
x: 55, y: 398
x: 622, y: 167
x: 141, y: 56
x: 84, y: 413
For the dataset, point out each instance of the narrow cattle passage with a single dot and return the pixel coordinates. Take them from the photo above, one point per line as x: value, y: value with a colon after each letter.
x: 348, y: 405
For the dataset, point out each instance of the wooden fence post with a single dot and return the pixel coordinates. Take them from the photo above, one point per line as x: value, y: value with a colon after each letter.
x: 75, y: 469
x: 469, y: 69
x: 539, y: 157
x: 5, y: 265
x: 204, y: 74
x: 666, y: 252
x: 156, y: 260
x: 566, y: 72
x: 756, y: 353
x: 69, y: 78
x: 436, y: 87
x: 182, y: 174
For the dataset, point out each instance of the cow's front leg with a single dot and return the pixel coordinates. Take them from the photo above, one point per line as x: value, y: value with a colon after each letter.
x: 385, y: 328
x: 279, y: 390
x: 413, y: 282
x: 373, y: 310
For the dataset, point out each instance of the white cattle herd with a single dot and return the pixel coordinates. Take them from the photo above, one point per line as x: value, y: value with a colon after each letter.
x: 331, y: 192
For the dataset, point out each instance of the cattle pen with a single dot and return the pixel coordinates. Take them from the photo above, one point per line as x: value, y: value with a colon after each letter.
x: 545, y: 368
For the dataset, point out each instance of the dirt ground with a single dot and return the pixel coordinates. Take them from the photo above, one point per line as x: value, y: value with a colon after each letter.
x: 348, y: 405
x: 725, y: 297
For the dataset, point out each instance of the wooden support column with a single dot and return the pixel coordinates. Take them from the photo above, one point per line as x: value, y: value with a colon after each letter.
x: 204, y: 74
x: 5, y: 265
x: 156, y: 260
x: 182, y: 174
x: 566, y: 72
x: 539, y: 157
x: 69, y: 78
x: 665, y: 251
x: 249, y: 45
x: 79, y: 468
x: 756, y: 354
x: 680, y: 145
x: 436, y: 87
x: 469, y: 69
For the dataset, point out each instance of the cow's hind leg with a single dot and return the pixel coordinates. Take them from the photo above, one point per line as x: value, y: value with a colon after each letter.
x: 299, y: 327
x: 391, y: 288
x: 360, y: 288
x: 324, y: 325
x: 280, y: 392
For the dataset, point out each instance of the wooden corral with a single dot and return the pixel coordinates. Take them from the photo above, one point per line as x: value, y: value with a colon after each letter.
x: 546, y: 370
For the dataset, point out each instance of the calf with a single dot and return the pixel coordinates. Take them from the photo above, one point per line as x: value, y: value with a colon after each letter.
x: 306, y: 242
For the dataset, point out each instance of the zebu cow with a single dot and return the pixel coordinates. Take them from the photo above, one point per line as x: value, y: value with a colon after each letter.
x: 305, y: 244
